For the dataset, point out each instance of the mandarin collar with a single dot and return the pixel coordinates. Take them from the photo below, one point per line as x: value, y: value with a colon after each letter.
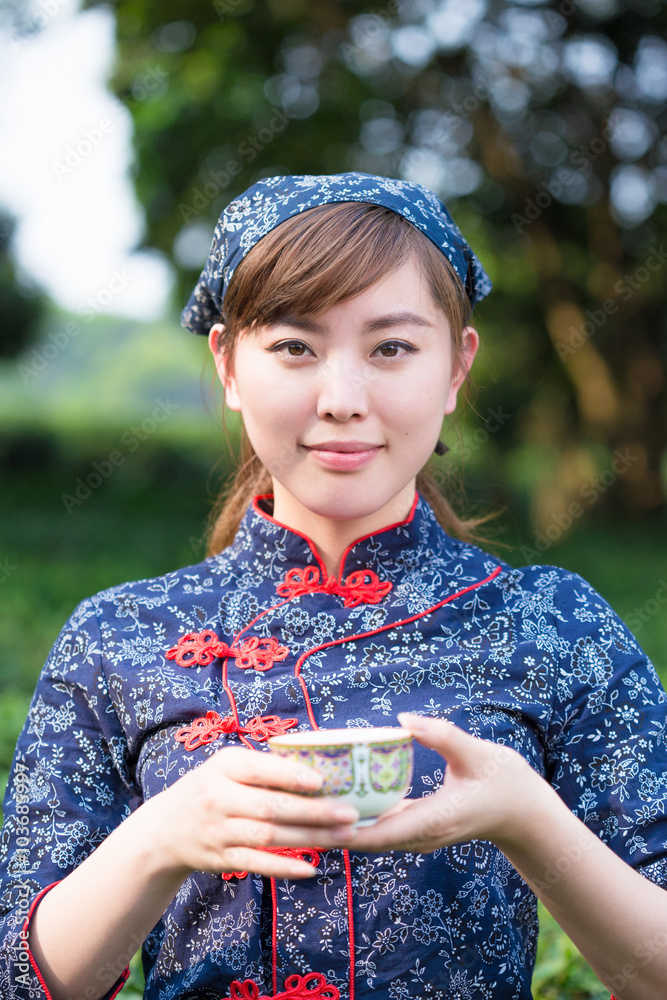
x: 399, y: 546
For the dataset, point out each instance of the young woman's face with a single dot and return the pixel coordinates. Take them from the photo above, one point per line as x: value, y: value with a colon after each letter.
x: 345, y: 406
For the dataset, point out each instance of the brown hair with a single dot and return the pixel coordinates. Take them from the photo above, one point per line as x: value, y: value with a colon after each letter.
x: 306, y: 265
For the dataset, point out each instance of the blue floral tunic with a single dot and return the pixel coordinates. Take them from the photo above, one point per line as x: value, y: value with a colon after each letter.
x: 148, y: 678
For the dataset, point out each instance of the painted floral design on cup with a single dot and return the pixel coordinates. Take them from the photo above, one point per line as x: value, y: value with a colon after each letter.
x: 370, y: 769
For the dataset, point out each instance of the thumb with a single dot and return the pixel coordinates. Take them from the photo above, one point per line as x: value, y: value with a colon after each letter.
x: 441, y: 735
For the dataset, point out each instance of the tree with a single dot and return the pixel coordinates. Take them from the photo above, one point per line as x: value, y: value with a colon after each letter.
x: 21, y: 305
x: 541, y: 127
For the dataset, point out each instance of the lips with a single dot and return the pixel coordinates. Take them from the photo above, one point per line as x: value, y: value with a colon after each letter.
x: 343, y: 456
x: 343, y: 446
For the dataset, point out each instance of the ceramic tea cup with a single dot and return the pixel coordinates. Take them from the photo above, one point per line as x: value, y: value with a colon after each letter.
x: 369, y: 769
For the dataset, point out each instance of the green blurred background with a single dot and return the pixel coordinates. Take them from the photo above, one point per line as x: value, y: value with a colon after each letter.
x: 541, y: 125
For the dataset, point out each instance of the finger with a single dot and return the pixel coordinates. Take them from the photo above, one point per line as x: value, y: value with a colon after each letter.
x: 254, y: 833
x: 246, y: 859
x: 288, y: 808
x: 455, y: 744
x: 398, y: 808
x: 421, y: 827
x: 268, y: 770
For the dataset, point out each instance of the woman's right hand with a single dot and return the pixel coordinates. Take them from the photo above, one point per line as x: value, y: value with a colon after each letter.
x: 219, y: 816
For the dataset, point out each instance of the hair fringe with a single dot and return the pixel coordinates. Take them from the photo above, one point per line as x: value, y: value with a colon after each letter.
x: 313, y: 261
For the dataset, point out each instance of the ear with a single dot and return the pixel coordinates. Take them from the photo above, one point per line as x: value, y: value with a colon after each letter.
x: 469, y: 345
x: 225, y: 372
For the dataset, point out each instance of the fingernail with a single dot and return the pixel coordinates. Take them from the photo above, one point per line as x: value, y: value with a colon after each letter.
x: 415, y: 723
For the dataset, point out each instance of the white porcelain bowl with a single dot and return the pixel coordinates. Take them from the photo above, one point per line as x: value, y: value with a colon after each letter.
x: 370, y: 769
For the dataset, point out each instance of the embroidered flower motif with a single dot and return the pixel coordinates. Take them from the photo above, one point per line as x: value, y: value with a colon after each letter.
x: 364, y: 587
x: 312, y: 986
x: 298, y: 582
x: 308, y: 854
x: 361, y: 587
x: 201, y: 648
x: 259, y: 654
x: 198, y: 648
x: 206, y: 729
x: 209, y: 727
x: 262, y: 726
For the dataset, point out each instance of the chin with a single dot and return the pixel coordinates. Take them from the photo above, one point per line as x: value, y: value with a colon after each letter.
x: 344, y: 502
x: 337, y: 511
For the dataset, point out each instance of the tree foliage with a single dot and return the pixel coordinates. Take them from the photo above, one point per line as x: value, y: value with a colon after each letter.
x: 21, y: 306
x: 540, y: 125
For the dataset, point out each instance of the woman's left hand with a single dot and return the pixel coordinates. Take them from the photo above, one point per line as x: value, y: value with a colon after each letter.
x: 489, y: 792
x: 614, y: 915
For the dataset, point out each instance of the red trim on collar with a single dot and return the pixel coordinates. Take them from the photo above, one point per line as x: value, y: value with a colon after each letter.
x: 389, y: 527
x: 269, y: 517
x: 313, y: 547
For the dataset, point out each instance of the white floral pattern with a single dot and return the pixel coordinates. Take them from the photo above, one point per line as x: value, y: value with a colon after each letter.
x: 272, y: 200
x: 533, y: 659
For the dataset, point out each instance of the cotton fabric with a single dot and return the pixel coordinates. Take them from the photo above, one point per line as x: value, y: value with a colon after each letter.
x: 274, y: 199
x: 533, y: 659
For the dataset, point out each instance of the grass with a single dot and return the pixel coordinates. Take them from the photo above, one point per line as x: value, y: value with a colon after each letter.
x: 149, y: 517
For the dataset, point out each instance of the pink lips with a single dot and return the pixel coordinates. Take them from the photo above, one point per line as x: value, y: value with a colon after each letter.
x: 344, y: 455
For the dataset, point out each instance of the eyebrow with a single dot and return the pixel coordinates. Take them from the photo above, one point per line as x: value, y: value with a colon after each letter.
x: 405, y: 318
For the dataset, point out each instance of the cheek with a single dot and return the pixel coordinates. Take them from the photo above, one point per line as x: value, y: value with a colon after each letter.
x: 273, y: 421
x: 260, y: 393
x: 416, y: 403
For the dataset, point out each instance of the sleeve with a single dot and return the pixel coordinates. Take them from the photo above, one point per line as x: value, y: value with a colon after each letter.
x: 68, y: 788
x: 607, y: 742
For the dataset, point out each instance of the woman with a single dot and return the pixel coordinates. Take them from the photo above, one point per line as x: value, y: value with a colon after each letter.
x: 338, y: 312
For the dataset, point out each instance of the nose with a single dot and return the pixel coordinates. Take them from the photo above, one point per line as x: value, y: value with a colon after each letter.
x: 343, y: 390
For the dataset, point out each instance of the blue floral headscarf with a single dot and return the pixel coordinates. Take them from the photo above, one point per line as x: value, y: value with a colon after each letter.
x: 274, y: 199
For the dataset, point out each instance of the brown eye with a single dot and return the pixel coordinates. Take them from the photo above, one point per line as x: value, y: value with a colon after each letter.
x: 389, y: 350
x: 395, y: 349
x: 295, y: 350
